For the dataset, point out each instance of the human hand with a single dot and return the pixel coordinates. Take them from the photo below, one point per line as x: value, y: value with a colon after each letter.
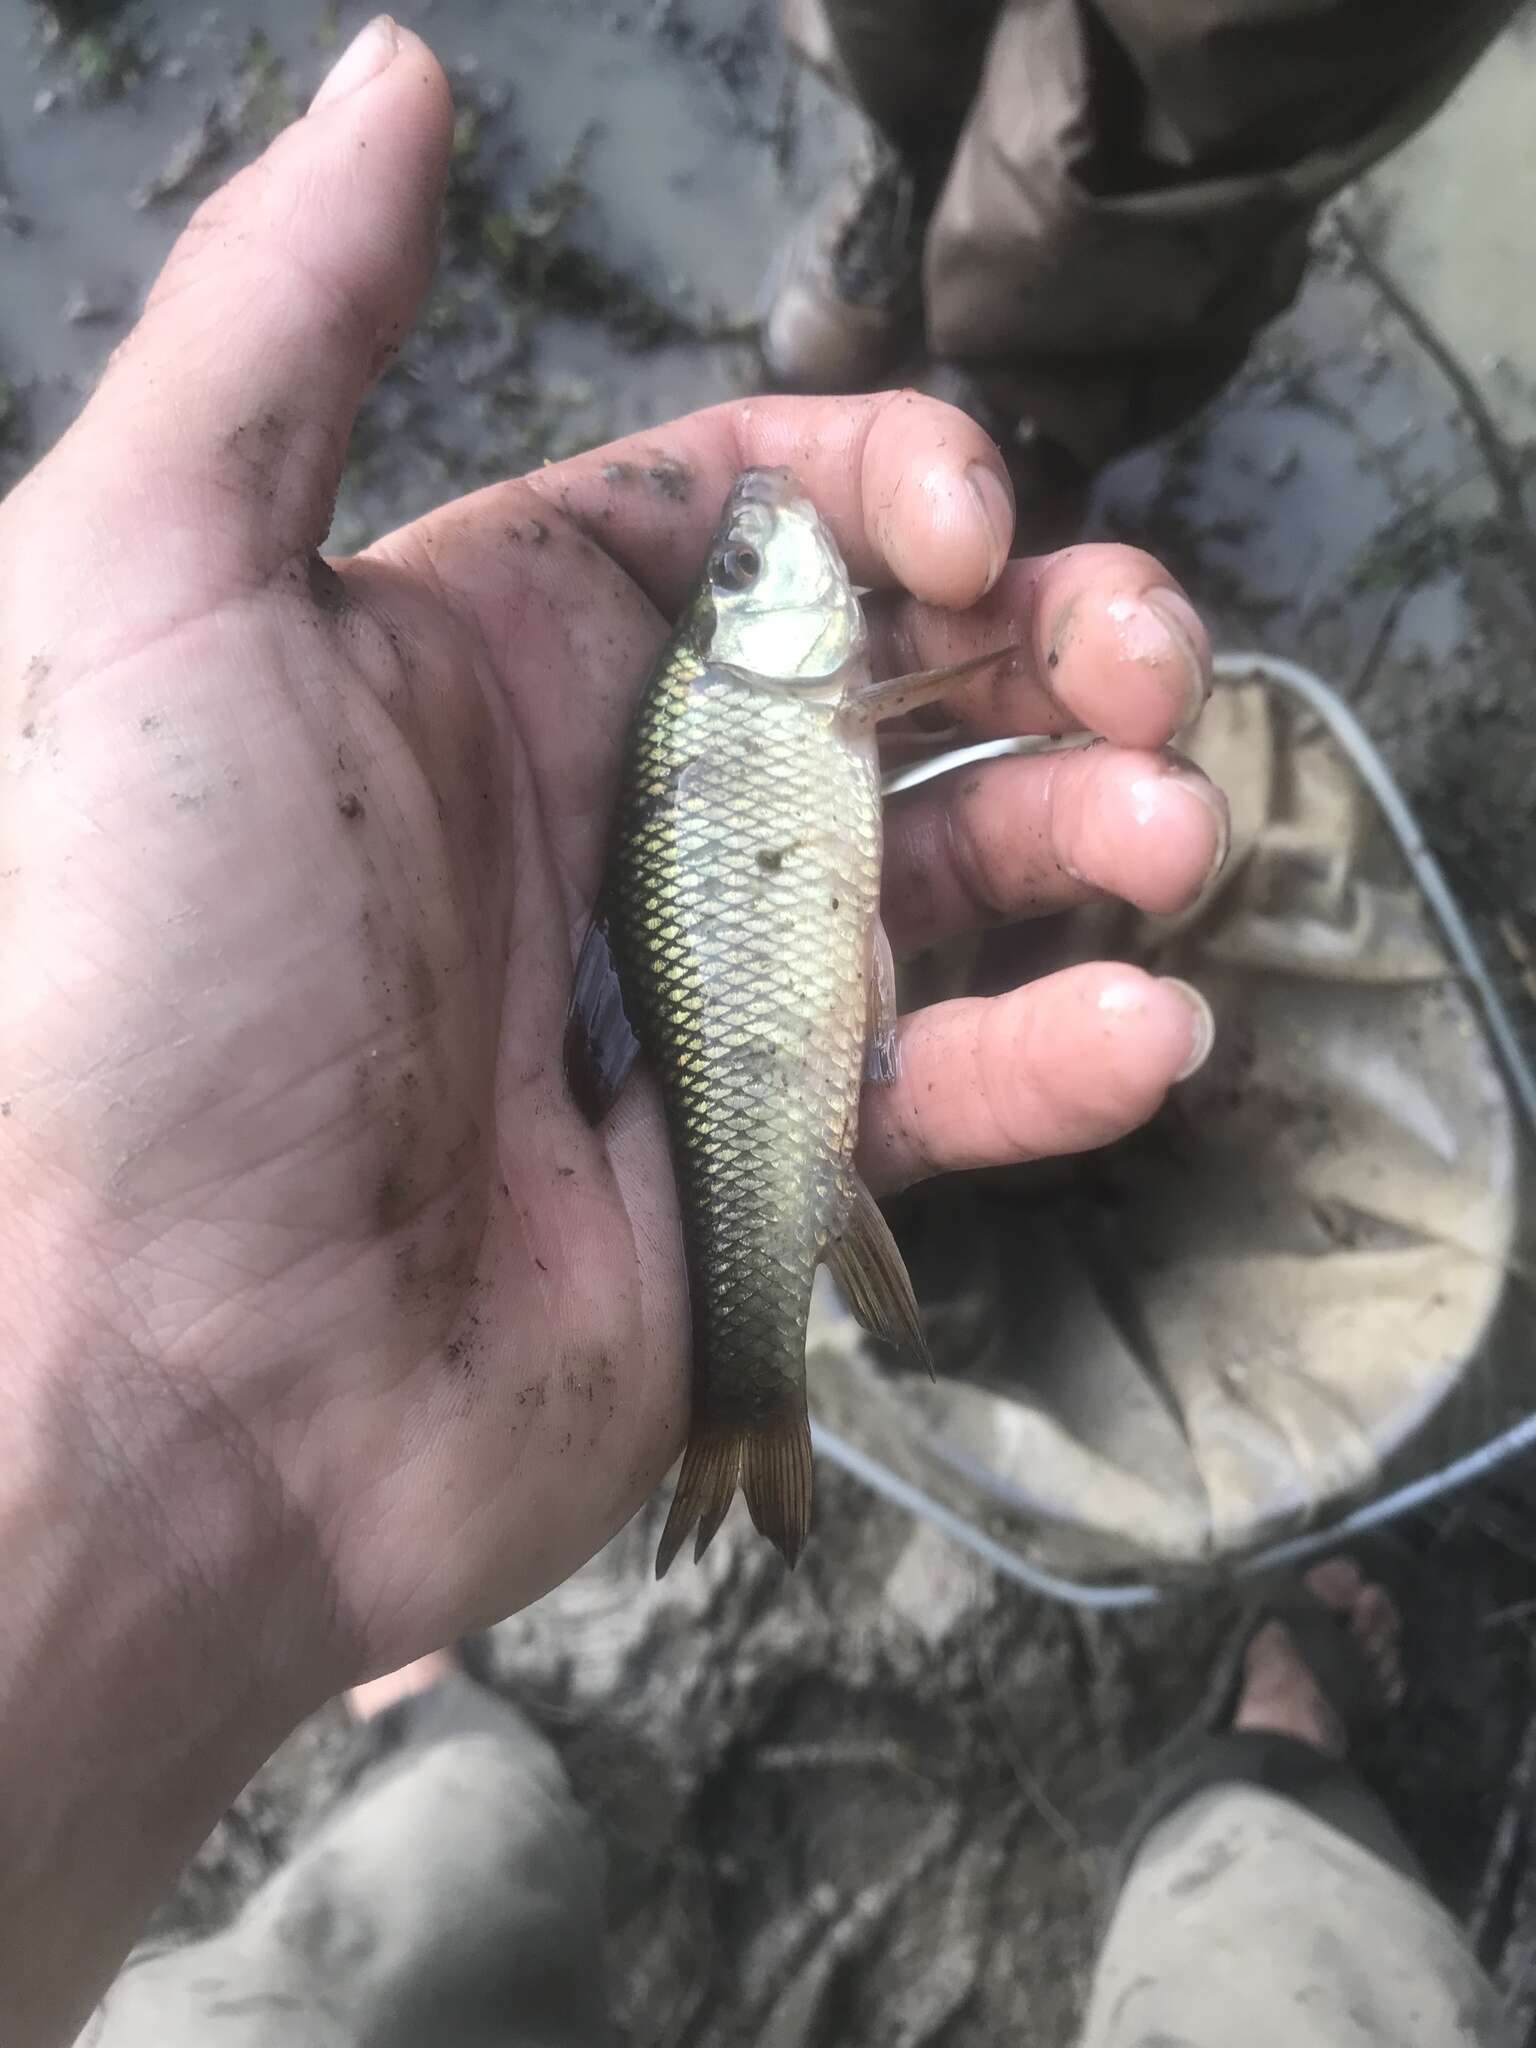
x: 321, y: 1301
x: 330, y: 1327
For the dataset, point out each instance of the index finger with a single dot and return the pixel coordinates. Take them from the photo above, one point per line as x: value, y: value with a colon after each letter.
x: 1106, y: 643
x: 915, y: 493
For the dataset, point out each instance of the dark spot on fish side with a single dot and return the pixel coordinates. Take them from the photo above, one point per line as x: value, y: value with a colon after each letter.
x: 152, y: 723
x: 770, y: 859
x: 350, y: 806
x: 619, y: 472
x: 5, y: 1110
x: 836, y: 902
x: 651, y: 802
x: 538, y: 532
x: 565, y: 1172
x: 29, y: 730
x: 1053, y: 659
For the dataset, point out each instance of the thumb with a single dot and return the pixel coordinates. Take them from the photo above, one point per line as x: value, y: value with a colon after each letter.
x: 223, y: 419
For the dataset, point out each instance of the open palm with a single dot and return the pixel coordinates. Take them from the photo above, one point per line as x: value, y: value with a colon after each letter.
x: 295, y: 859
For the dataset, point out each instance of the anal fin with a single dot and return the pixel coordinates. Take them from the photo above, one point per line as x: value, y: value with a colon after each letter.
x: 867, y: 1265
x: 882, y: 1054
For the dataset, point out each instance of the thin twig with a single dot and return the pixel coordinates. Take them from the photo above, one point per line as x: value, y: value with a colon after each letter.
x: 1376, y: 653
x: 1029, y: 1783
x: 1510, y: 1837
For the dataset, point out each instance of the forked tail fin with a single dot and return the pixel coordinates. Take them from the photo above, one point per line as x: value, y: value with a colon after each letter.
x: 773, y: 1465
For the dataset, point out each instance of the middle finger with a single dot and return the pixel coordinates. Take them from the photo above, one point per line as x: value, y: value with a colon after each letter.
x: 1024, y: 834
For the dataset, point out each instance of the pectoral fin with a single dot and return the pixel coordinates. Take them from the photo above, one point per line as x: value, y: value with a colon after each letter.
x: 888, y: 698
x: 882, y: 1056
x: 600, y: 1043
x: 870, y: 1270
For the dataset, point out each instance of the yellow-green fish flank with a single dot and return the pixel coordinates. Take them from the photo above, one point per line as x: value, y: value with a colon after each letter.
x: 741, y: 908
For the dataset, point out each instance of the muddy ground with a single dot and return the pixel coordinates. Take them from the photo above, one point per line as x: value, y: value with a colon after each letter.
x: 874, y: 1788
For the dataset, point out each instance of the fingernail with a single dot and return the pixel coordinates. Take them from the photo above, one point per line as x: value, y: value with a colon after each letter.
x: 1176, y: 612
x: 1215, y: 801
x: 369, y: 52
x: 1202, y: 1028
x: 994, y: 501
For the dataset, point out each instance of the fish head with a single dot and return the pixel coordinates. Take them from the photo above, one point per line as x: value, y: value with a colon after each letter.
x: 776, y: 602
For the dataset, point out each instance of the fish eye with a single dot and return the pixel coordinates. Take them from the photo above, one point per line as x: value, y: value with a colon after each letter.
x: 736, y: 568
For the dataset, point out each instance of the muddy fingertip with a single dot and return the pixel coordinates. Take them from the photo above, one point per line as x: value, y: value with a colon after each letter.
x: 993, y: 496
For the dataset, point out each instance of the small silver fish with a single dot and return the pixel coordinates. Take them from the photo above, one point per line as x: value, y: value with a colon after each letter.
x: 739, y: 930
